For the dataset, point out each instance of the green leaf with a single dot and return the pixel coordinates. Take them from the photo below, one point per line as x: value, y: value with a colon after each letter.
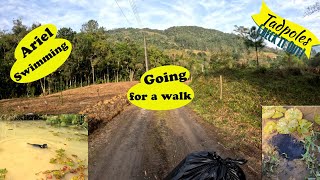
x: 286, y: 126
x: 304, y: 126
x: 268, y: 113
x: 53, y: 160
x: 270, y: 127
x: 280, y: 109
x: 292, y: 125
x: 293, y: 113
x: 317, y: 118
x: 282, y: 126
x: 277, y: 115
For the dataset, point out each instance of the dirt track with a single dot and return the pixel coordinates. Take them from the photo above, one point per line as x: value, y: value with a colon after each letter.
x: 142, y: 144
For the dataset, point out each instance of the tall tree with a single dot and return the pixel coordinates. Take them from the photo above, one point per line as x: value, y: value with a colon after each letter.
x: 241, y: 31
x: 66, y: 33
x: 90, y: 27
x: 84, y: 51
x: 253, y: 39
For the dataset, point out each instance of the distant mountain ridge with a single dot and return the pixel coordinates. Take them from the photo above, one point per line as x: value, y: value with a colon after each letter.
x: 181, y: 37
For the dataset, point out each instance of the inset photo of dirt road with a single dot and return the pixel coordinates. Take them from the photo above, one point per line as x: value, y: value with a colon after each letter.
x: 142, y: 144
x: 128, y: 142
x: 290, y: 142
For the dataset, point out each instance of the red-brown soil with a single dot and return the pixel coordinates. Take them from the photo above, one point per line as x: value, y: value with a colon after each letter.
x: 69, y: 101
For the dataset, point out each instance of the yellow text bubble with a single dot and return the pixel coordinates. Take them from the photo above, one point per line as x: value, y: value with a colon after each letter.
x: 162, y: 88
x: 39, y: 54
x: 291, y: 31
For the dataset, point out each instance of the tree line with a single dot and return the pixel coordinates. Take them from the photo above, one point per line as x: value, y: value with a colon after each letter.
x: 94, y: 59
x: 100, y: 56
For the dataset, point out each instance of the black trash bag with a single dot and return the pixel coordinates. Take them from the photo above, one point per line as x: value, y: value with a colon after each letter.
x: 206, y: 165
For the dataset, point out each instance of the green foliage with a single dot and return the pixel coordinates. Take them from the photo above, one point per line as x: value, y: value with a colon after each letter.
x: 243, y: 93
x: 277, y: 115
x: 267, y: 113
x: 312, y: 151
x: 253, y: 39
x: 293, y: 113
x: 90, y: 26
x: 85, y: 125
x: 270, y: 127
x: 280, y: 109
x: 66, y: 33
x: 304, y: 126
x: 180, y: 37
x: 101, y: 56
x: 273, y: 112
x: 287, y: 126
x: 3, y: 173
x: 270, y: 163
x: 69, y: 165
x: 63, y: 124
x: 68, y: 118
x: 65, y: 120
x: 317, y: 118
x: 52, y: 120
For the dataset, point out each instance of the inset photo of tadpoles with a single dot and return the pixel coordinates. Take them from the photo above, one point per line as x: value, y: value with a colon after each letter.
x: 291, y: 142
x: 34, y: 146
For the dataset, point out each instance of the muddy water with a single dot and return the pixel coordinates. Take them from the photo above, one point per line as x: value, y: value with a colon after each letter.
x: 24, y: 161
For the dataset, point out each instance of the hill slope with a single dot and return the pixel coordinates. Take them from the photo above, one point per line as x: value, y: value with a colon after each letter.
x: 68, y: 101
x: 180, y: 37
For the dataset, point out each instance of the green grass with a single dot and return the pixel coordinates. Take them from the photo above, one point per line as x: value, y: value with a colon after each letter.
x: 65, y: 120
x: 270, y: 163
x: 310, y: 157
x: 238, y: 114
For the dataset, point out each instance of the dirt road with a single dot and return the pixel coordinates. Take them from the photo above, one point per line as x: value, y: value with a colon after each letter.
x: 142, y: 144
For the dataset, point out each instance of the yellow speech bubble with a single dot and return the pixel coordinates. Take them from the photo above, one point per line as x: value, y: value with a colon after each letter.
x: 39, y: 54
x: 162, y: 88
x: 291, y: 31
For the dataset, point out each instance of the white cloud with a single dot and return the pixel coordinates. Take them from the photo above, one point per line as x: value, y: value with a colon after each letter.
x: 221, y: 15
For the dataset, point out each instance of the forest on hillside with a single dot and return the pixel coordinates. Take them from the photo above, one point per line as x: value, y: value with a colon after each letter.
x: 100, y: 55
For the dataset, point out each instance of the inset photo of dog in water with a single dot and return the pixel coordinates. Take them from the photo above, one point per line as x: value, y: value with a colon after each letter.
x: 43, y: 147
x: 291, y: 142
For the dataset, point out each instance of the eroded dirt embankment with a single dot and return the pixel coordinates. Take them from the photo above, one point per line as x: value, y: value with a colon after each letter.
x: 104, y: 111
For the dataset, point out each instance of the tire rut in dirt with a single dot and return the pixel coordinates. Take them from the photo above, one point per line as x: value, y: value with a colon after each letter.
x: 155, y: 159
x: 120, y: 154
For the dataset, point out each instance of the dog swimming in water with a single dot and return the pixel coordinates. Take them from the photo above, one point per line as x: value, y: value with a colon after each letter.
x: 39, y: 145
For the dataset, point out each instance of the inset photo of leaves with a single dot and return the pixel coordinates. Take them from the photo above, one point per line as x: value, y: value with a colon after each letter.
x: 290, y: 142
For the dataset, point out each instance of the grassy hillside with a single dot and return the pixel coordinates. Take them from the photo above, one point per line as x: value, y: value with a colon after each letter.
x: 238, y: 114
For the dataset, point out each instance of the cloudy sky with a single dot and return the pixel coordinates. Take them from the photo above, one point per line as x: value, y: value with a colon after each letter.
x: 215, y: 14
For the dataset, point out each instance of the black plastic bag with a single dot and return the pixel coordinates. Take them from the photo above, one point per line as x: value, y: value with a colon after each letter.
x: 206, y: 165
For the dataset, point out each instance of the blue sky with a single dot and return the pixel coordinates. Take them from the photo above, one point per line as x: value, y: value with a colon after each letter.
x: 215, y: 14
